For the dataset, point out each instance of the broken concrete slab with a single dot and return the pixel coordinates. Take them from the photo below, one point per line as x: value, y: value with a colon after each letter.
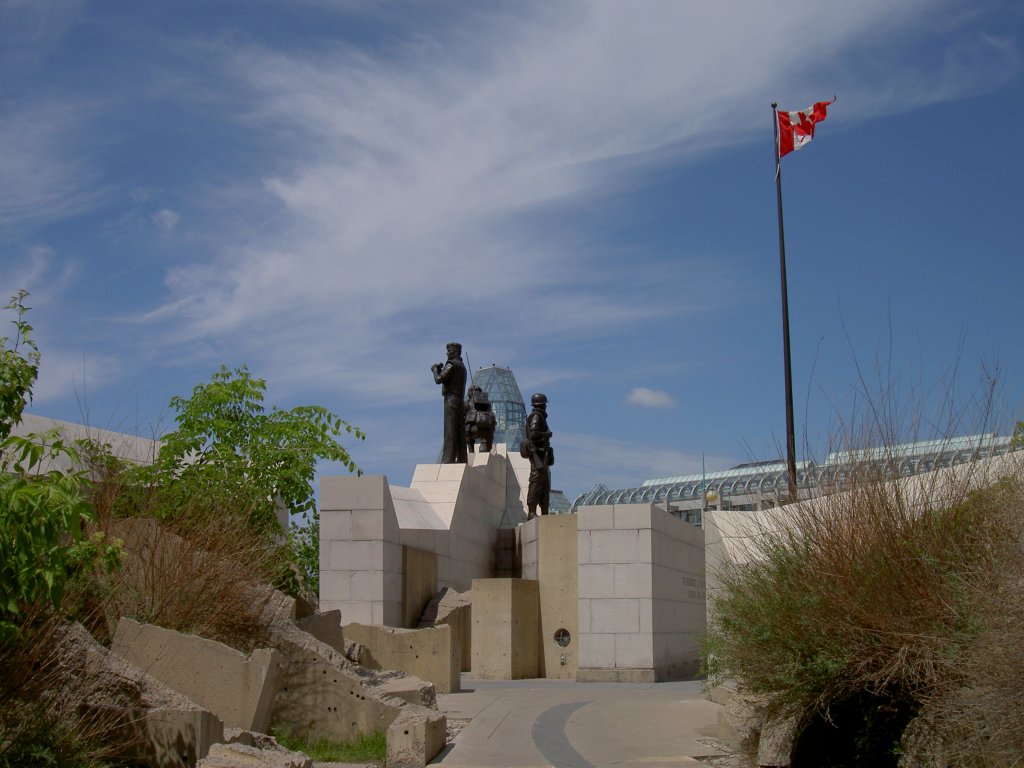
x: 148, y: 723
x: 325, y: 627
x: 454, y: 608
x: 427, y: 653
x: 323, y: 695
x: 404, y: 686
x: 740, y: 721
x: 775, y: 747
x: 238, y: 689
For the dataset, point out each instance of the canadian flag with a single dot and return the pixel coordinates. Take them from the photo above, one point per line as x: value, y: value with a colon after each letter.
x: 796, y: 129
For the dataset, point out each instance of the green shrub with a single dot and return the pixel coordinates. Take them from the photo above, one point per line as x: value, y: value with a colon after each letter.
x: 42, y: 510
x: 19, y: 366
x: 228, y: 452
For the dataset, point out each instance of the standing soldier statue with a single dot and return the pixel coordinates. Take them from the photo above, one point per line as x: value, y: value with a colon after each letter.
x: 451, y: 375
x: 537, y: 448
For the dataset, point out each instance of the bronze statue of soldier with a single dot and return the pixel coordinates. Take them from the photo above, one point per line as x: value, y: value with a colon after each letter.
x: 451, y: 375
x: 480, y: 420
x: 537, y: 448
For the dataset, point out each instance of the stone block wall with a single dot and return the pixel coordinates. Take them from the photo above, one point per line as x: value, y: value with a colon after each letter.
x: 360, y: 550
x: 470, y: 501
x: 451, y: 512
x: 641, y: 594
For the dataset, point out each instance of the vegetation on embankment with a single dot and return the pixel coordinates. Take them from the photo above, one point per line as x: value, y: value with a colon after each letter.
x: 190, y: 542
x: 889, y: 628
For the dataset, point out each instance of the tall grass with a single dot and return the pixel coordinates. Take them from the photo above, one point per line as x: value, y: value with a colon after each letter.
x: 364, y: 748
x: 866, y: 608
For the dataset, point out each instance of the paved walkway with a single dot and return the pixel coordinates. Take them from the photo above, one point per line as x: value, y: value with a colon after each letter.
x: 542, y: 723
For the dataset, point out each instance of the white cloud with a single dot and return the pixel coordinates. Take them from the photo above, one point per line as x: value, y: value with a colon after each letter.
x: 63, y: 373
x: 649, y: 398
x: 166, y: 220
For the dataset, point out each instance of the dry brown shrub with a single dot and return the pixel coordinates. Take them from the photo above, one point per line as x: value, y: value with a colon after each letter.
x: 206, y: 576
x: 895, y: 597
x: 200, y: 569
x: 975, y: 713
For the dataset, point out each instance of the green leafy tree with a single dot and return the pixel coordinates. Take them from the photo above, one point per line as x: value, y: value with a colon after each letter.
x: 42, y: 509
x: 229, y: 451
x: 19, y: 367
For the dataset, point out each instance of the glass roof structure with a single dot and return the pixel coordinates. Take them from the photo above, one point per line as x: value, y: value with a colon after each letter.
x: 506, y: 402
x: 769, y: 479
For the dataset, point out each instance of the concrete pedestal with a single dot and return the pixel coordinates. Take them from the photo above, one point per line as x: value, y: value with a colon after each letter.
x: 506, y: 616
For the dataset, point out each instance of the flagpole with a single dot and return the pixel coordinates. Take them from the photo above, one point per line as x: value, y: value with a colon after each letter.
x: 790, y: 429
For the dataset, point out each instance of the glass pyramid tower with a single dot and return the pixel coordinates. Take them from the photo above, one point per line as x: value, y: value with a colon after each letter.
x: 507, y: 404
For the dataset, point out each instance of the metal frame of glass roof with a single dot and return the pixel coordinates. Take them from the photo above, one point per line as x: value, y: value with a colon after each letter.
x: 770, y: 479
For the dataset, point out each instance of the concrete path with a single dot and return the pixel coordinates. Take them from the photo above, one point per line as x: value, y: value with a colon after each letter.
x: 541, y: 723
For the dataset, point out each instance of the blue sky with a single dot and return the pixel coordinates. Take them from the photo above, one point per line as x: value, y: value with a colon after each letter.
x: 330, y: 191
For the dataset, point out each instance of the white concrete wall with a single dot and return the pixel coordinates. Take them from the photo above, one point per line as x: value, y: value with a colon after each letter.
x: 641, y: 593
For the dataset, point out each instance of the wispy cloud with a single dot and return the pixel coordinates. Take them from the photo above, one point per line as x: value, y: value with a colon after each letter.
x: 44, y: 178
x: 166, y: 220
x: 390, y: 194
x: 402, y: 187
x: 63, y: 372
x: 650, y: 398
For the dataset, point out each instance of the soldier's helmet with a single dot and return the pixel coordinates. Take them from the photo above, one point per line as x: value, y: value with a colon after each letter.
x: 539, y: 399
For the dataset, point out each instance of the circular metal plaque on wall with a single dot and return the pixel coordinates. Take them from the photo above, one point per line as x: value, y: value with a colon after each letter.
x: 562, y: 637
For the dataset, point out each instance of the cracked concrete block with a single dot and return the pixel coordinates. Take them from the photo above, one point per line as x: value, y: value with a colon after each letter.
x: 428, y: 653
x: 238, y: 689
x: 323, y: 694
x: 455, y: 609
x: 415, y: 738
x: 325, y: 627
x: 402, y: 685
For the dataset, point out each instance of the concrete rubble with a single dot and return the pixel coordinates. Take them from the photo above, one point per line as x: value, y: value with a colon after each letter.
x: 173, y: 699
x: 318, y: 679
x: 776, y: 743
x: 149, y: 722
x: 242, y: 756
x: 427, y: 653
x: 415, y: 737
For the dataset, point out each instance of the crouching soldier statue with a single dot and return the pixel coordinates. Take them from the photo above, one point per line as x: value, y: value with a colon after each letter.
x: 480, y: 420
